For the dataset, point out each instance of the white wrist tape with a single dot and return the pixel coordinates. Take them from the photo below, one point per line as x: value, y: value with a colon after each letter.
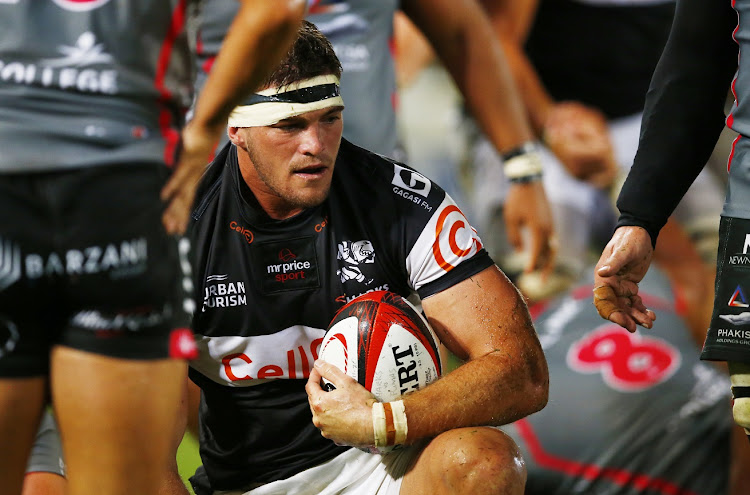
x: 528, y: 164
x: 389, y: 423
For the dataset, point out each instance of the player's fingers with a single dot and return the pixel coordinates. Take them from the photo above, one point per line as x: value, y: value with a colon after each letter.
x: 538, y: 251
x: 513, y: 233
x: 332, y: 373
x: 637, y: 303
x: 550, y: 255
x: 641, y: 318
x: 642, y: 315
x: 175, y: 182
x: 313, y: 383
x: 179, y: 192
x: 605, y: 301
x: 176, y: 215
x: 622, y: 319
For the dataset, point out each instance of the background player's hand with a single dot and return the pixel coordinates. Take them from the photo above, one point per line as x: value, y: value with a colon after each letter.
x: 198, y: 144
x: 622, y: 265
x: 579, y: 136
x: 343, y: 415
x: 526, y: 207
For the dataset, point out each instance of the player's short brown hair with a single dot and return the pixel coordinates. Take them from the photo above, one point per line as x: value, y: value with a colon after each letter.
x: 311, y: 55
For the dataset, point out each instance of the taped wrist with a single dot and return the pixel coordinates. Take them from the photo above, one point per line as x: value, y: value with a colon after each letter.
x: 389, y: 423
x: 741, y: 403
x: 523, y: 164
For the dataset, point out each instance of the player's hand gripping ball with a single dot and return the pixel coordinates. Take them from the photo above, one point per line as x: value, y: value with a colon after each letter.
x: 384, y: 343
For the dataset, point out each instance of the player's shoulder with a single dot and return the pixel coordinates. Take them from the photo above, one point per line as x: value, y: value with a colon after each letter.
x: 209, y: 185
x: 380, y: 179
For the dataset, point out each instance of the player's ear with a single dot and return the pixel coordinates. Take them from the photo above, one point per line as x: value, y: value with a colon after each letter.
x: 236, y: 136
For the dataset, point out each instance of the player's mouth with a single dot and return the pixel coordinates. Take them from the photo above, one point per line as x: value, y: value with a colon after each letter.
x: 311, y: 171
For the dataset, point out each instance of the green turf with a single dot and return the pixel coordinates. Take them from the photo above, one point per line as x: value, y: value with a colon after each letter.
x: 188, y: 458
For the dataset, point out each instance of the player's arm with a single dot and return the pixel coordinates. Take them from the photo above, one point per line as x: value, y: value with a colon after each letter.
x: 511, y: 21
x: 258, y: 38
x: 483, y: 320
x: 683, y: 114
x: 462, y: 37
x: 576, y: 133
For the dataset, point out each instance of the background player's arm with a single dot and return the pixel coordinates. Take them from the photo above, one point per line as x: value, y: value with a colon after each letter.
x: 576, y: 133
x: 482, y: 319
x: 462, y: 37
x: 683, y: 114
x: 258, y: 38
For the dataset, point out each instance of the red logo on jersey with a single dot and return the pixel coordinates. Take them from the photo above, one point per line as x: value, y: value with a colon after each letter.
x: 461, y: 239
x: 286, y: 255
x: 271, y: 370
x: 247, y: 233
x: 80, y: 5
x: 627, y: 361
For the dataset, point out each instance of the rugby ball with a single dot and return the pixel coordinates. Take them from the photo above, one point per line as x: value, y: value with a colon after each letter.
x: 382, y: 341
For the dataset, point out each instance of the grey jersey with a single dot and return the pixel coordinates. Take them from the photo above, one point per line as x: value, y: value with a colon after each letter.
x: 91, y: 82
x: 628, y: 414
x: 361, y: 32
x: 737, y: 204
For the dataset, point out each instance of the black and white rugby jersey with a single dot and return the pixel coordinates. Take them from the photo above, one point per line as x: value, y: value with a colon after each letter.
x: 270, y: 288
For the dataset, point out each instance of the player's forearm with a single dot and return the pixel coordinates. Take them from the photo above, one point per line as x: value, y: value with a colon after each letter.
x: 493, y: 390
x: 511, y: 21
x: 469, y: 50
x: 505, y: 376
x: 683, y: 115
x: 258, y: 38
x: 535, y: 98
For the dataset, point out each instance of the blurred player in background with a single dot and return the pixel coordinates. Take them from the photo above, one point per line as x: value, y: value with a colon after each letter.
x: 583, y: 68
x: 92, y: 94
x: 642, y: 414
x: 629, y: 413
x: 676, y: 140
x: 292, y: 222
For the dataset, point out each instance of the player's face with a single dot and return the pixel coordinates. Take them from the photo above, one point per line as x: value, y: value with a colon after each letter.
x: 291, y: 162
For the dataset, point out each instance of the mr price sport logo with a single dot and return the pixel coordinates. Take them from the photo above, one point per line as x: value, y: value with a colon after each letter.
x: 290, y: 269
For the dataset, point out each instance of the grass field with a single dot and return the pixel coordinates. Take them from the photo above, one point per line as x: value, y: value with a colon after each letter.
x: 188, y: 459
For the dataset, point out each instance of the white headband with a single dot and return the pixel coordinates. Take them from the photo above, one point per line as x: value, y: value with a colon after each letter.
x: 272, y: 105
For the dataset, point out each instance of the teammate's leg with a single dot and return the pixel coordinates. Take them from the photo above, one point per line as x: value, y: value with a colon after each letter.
x: 116, y: 418
x: 21, y: 403
x: 478, y: 460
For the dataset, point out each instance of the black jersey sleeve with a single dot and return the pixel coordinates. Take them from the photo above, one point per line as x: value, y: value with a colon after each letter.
x: 683, y: 114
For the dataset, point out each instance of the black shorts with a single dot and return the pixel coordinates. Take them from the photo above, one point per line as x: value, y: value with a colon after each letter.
x: 86, y: 263
x: 728, y: 337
